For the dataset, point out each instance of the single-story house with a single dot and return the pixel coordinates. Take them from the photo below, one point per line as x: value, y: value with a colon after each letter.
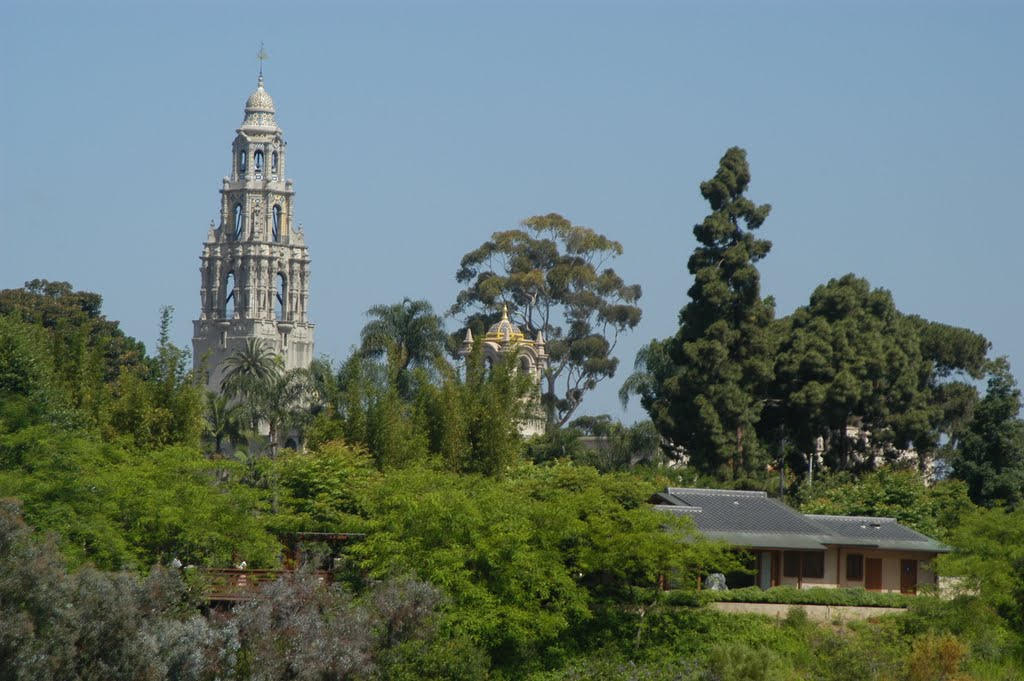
x: 803, y: 550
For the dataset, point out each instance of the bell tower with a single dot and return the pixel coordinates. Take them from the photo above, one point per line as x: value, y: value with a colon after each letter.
x: 255, y: 264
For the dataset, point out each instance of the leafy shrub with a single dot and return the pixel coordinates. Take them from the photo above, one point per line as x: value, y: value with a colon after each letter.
x: 793, y: 596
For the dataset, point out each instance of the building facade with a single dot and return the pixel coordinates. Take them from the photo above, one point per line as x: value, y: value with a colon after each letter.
x: 255, y: 264
x: 505, y: 338
x: 790, y: 548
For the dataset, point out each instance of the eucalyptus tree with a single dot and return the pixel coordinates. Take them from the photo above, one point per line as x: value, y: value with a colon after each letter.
x: 555, y: 279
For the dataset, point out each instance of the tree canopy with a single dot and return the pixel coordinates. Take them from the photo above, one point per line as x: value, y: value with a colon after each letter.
x: 555, y: 279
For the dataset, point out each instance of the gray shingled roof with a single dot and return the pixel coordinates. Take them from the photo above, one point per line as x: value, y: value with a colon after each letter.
x: 753, y: 520
x: 884, y: 533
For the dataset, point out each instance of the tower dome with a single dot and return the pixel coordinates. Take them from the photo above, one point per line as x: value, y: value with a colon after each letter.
x: 259, y: 108
x: 505, y: 331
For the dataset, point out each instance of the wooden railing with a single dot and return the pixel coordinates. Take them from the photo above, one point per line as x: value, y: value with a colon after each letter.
x: 233, y: 584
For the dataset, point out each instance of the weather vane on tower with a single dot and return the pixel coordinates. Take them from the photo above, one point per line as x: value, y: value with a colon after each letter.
x: 262, y: 56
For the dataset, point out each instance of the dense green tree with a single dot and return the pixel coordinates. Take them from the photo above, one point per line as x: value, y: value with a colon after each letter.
x: 934, y: 509
x: 87, y: 351
x: 990, y: 456
x: 164, y: 409
x: 704, y: 387
x: 525, y: 559
x: 989, y: 561
x: 29, y: 392
x: 869, y: 380
x: 602, y: 442
x: 76, y: 326
x: 473, y: 422
x: 119, y: 507
x: 552, y: 275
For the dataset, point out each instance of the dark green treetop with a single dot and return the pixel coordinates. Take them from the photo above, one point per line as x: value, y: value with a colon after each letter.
x: 704, y: 387
x: 990, y: 457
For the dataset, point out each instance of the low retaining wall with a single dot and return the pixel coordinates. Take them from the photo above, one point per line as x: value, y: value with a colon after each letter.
x: 816, y: 613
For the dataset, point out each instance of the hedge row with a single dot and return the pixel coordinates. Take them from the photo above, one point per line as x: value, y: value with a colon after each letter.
x: 792, y: 596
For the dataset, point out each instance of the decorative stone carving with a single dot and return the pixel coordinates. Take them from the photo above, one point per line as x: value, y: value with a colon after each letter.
x: 254, y: 259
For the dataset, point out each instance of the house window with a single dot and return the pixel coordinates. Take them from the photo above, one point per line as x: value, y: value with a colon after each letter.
x: 273, y: 162
x: 257, y: 159
x: 791, y: 564
x: 855, y: 567
x: 238, y: 221
x: 805, y: 564
x: 276, y: 231
x: 242, y: 158
x: 814, y: 564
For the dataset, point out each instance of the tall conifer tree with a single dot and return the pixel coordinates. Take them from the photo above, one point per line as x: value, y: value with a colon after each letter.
x: 703, y: 386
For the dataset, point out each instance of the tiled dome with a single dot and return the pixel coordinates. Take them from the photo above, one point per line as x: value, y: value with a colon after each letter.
x: 259, y: 108
x: 504, y: 330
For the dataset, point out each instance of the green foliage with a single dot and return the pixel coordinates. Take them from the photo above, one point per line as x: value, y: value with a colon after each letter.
x: 408, y: 334
x: 792, y: 596
x: 164, y: 409
x: 118, y: 509
x: 990, y: 457
x: 704, y: 387
x: 868, y: 379
x: 552, y: 276
x: 91, y: 625
x: 29, y: 392
x: 322, y: 490
x: 601, y: 442
x: 88, y: 348
x: 989, y: 560
x: 473, y: 423
x: 890, y: 493
x: 523, y: 559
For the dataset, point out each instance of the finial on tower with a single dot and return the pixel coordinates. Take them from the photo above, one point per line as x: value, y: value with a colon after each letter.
x: 504, y: 312
x: 262, y: 56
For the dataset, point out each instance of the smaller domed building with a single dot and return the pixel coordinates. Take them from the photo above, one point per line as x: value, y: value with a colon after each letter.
x: 504, y: 338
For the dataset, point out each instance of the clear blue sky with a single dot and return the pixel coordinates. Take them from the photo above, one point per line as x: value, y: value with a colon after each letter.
x: 886, y: 135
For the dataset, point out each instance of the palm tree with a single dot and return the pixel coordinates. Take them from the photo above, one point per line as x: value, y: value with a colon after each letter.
x: 408, y: 333
x: 222, y: 421
x: 250, y: 369
x: 283, y: 405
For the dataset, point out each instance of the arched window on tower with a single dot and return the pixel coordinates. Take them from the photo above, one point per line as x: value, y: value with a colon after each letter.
x: 276, y: 233
x: 273, y: 161
x: 524, y: 365
x: 282, y: 297
x: 238, y: 221
x: 229, y: 296
x: 257, y: 161
x: 243, y: 164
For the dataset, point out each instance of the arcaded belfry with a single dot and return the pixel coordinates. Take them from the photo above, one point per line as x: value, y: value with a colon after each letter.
x: 255, y: 265
x: 504, y: 338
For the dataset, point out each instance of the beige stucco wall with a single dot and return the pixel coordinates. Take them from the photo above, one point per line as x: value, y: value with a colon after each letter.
x: 835, y: 564
x: 817, y: 613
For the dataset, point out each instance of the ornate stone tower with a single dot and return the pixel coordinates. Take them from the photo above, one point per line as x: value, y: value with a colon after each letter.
x: 531, y: 358
x: 255, y: 265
